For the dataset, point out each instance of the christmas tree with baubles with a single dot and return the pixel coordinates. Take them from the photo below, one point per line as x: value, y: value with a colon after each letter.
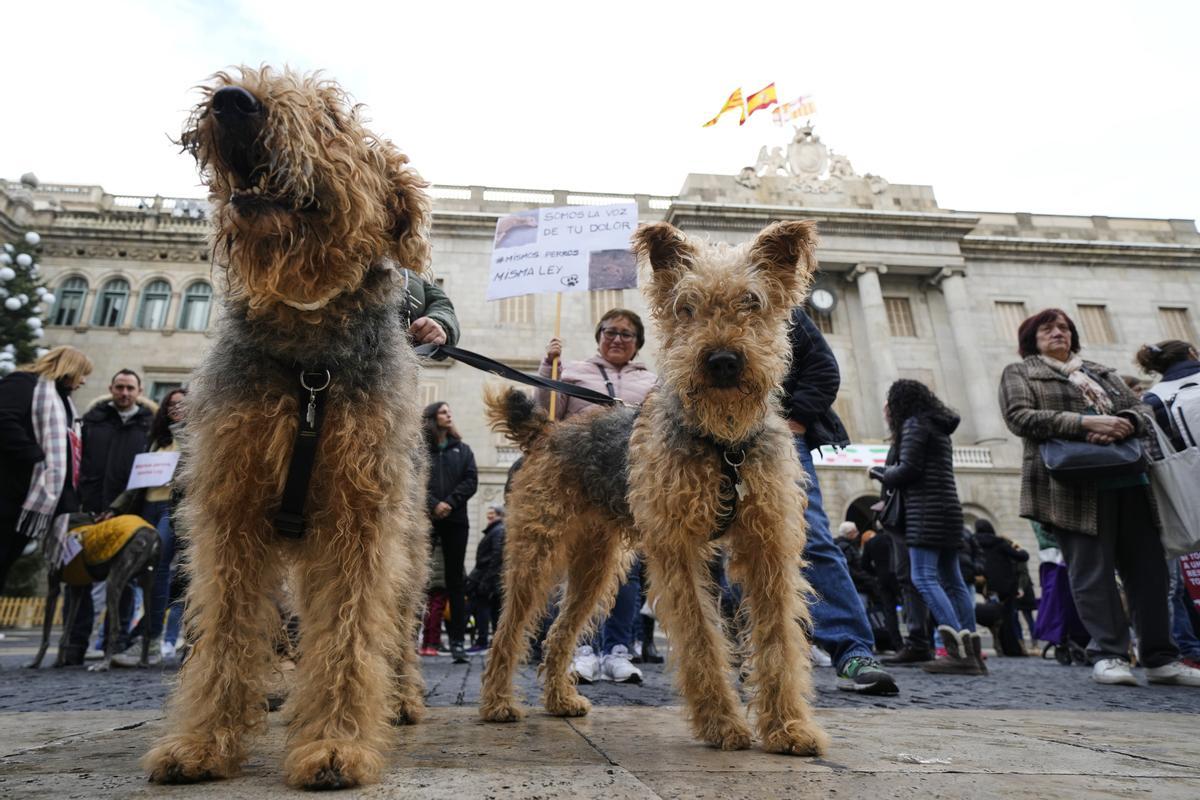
x: 23, y: 300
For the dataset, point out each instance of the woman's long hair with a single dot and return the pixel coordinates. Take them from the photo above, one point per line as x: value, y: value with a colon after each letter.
x: 908, y: 398
x: 62, y: 363
x: 160, y: 428
x: 1164, y: 355
x: 429, y: 420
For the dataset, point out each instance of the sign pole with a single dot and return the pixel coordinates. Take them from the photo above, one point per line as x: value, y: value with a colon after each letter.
x: 554, y: 365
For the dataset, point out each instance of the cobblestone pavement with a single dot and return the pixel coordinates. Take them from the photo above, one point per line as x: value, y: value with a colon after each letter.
x: 1014, y: 683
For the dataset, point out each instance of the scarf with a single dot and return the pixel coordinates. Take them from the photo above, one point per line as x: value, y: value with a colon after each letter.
x: 1092, y: 391
x: 38, y: 520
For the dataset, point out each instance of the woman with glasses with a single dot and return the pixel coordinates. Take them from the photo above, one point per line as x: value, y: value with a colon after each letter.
x: 612, y: 371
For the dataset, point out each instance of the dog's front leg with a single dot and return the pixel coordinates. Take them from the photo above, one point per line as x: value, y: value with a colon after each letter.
x: 681, y: 584
x: 55, y: 588
x: 233, y: 621
x: 340, y: 709
x: 766, y: 545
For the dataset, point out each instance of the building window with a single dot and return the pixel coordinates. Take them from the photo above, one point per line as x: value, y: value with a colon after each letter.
x: 110, y: 306
x: 603, y: 300
x: 197, y: 303
x: 1177, y: 324
x: 68, y: 306
x: 822, y: 319
x: 900, y: 317
x: 153, y: 312
x: 428, y: 393
x: 1096, y: 325
x: 160, y: 389
x: 517, y: 310
x: 1009, y: 317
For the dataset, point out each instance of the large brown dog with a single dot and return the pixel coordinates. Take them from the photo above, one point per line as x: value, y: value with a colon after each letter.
x: 708, y: 457
x: 312, y: 214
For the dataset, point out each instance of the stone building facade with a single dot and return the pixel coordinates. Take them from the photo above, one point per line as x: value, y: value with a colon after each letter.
x: 918, y: 291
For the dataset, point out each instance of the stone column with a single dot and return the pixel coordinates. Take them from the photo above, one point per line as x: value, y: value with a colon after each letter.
x: 879, y: 333
x: 981, y: 391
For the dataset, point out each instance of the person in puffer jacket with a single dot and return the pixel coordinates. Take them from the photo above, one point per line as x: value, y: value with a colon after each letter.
x: 920, y: 466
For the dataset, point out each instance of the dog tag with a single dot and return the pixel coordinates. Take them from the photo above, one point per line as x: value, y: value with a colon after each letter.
x: 311, y: 416
x: 740, y: 488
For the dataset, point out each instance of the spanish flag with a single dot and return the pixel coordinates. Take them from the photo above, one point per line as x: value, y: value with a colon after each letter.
x: 734, y: 102
x: 763, y: 98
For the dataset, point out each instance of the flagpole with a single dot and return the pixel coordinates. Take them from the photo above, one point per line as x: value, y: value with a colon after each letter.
x: 554, y: 364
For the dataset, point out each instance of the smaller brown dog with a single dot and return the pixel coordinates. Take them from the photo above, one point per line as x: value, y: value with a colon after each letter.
x: 119, y: 550
x: 707, y: 459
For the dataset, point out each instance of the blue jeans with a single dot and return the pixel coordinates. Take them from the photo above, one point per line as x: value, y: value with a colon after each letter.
x: 158, y: 514
x: 625, y: 617
x: 840, y: 624
x: 936, y: 575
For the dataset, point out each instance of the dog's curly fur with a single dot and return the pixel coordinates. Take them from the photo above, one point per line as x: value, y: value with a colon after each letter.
x: 310, y: 259
x: 593, y: 488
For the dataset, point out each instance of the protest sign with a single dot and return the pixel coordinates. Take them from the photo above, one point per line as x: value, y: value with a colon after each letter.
x: 565, y: 249
x: 1190, y: 564
x: 152, y: 469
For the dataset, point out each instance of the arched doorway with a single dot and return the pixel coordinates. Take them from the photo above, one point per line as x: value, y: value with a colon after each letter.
x: 859, y: 512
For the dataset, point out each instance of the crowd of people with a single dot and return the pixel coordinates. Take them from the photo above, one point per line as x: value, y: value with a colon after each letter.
x: 914, y: 587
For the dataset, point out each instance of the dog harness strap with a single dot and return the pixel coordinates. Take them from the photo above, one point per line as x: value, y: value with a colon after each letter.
x: 732, y: 487
x: 504, y: 371
x: 607, y: 381
x: 289, y: 521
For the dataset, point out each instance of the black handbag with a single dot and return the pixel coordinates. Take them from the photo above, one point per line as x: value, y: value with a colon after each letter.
x: 891, y: 516
x: 1074, y: 461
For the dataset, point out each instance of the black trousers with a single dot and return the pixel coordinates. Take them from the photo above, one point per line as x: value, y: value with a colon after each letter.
x: 887, y: 595
x: 11, y: 546
x: 916, y: 613
x: 452, y: 536
x: 1127, y: 543
x: 486, y: 610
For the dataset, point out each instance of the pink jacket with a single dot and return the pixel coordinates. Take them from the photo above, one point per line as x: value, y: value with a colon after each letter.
x: 631, y: 383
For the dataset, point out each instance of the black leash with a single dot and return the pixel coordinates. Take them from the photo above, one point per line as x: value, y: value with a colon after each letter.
x: 437, y: 351
x: 289, y: 520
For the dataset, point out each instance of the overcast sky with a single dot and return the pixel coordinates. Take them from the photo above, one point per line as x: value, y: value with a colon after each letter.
x: 1053, y: 107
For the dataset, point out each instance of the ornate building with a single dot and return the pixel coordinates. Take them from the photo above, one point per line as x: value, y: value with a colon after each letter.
x: 906, y: 289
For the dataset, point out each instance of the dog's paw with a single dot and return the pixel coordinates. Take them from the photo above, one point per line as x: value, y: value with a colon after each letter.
x: 796, y: 738
x: 505, y: 710
x: 729, y: 737
x: 332, y: 764
x: 408, y: 711
x: 182, y: 758
x: 568, y: 705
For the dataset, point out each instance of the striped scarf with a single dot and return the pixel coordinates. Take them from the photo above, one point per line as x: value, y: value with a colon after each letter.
x: 45, y: 487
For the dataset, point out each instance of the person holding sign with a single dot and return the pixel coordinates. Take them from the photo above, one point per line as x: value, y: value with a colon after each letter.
x: 619, y: 336
x: 153, y: 504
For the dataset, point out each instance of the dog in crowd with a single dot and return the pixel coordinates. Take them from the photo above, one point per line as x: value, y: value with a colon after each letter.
x: 708, y: 458
x: 119, y: 550
x: 313, y: 218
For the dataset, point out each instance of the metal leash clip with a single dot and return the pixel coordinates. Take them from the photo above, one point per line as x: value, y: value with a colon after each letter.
x: 311, y: 416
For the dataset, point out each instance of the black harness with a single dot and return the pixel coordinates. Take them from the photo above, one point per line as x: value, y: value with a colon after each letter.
x: 289, y: 520
x: 732, y: 488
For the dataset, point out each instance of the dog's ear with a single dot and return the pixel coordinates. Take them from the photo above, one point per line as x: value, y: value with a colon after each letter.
x: 664, y: 246
x: 785, y: 254
x: 410, y: 210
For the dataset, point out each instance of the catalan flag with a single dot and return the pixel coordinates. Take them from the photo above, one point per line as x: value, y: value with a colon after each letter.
x: 734, y: 102
x: 802, y: 106
x: 761, y: 99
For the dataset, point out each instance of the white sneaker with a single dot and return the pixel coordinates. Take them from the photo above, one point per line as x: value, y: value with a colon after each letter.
x: 168, y: 651
x: 1114, y: 671
x: 617, y: 668
x: 1176, y: 673
x: 586, y: 665
x: 132, y: 655
x: 820, y: 658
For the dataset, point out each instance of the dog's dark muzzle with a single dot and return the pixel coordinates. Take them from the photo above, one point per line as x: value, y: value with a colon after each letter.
x: 238, y: 117
x: 724, y: 367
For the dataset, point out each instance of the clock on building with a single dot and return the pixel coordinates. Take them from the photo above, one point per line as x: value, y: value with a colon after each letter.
x: 822, y: 300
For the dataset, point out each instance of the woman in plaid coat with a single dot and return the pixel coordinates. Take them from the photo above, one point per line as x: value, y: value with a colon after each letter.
x: 1100, y: 526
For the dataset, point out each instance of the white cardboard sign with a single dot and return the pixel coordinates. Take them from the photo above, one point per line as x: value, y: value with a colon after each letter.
x: 564, y: 249
x: 152, y: 469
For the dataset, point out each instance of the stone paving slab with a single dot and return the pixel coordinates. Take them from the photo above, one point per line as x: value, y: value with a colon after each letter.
x: 648, y: 752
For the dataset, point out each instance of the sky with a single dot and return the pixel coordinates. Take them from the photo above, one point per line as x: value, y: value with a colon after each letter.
x: 1048, y: 107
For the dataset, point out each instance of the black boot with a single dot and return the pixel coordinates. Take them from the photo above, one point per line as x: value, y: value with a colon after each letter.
x: 649, y: 651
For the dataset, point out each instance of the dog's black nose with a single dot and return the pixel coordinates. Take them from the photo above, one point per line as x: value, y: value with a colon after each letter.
x: 724, y: 367
x: 233, y: 102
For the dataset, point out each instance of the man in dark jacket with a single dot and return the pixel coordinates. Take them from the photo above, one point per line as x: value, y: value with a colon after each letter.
x: 840, y: 624
x: 1000, y: 559
x: 483, y: 584
x: 115, y: 431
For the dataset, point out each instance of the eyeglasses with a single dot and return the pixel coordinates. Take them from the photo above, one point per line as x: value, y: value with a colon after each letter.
x: 613, y: 333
